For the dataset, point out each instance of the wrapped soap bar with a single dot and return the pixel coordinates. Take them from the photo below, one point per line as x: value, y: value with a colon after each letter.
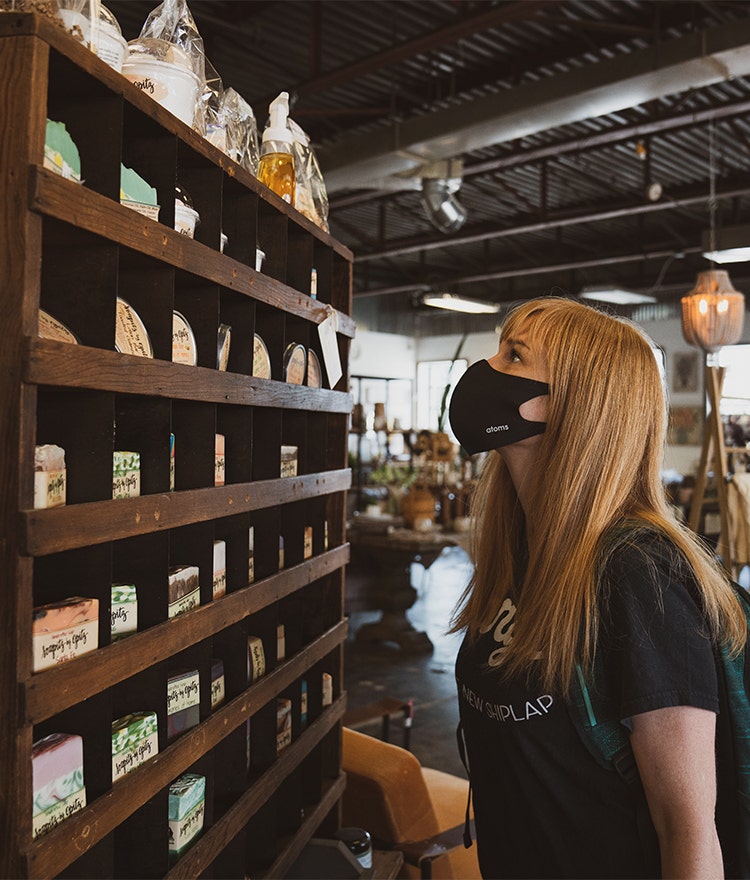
x: 289, y: 461
x: 218, y: 690
x: 171, y: 462
x: 123, y: 611
x: 135, y: 739
x: 49, y: 476
x: 57, y: 772
x: 219, y: 461
x: 256, y: 659
x: 220, y: 569
x: 60, y: 152
x: 183, y: 702
x: 187, y: 807
x: 126, y: 474
x: 64, y: 630
x: 251, y: 554
x: 307, y: 548
x: 327, y: 689
x: 283, y: 723
x: 138, y: 195
x: 184, y: 589
x: 303, y: 704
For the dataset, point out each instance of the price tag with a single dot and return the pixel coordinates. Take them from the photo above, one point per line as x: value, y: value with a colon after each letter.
x: 327, y: 332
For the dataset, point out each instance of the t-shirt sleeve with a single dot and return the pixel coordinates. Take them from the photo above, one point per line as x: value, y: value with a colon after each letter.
x: 658, y: 648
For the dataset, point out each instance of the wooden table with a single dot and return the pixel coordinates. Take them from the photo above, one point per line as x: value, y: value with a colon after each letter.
x: 385, y: 560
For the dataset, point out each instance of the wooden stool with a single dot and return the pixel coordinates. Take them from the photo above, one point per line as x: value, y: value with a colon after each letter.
x: 383, y: 709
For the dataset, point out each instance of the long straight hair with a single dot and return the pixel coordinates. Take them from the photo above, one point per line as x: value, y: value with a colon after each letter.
x: 599, y: 470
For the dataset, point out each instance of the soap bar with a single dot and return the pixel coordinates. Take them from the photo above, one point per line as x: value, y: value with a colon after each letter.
x: 327, y: 689
x: 60, y: 152
x: 49, y: 476
x: 135, y: 193
x: 124, y: 611
x: 220, y: 569
x: 183, y: 702
x: 184, y: 348
x: 281, y: 551
x: 307, y: 549
x: 303, y: 704
x: 171, y: 462
x: 135, y: 739
x: 64, y: 630
x: 218, y: 690
x: 280, y: 642
x: 256, y: 659
x: 219, y: 461
x: 184, y: 589
x: 289, y: 461
x: 251, y: 554
x: 187, y: 806
x: 126, y: 474
x: 57, y: 771
x: 283, y: 723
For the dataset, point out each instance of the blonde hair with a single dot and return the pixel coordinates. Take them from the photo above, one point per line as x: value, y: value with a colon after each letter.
x: 600, y: 459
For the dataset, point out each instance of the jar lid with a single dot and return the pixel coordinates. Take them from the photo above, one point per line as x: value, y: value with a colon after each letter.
x: 356, y: 839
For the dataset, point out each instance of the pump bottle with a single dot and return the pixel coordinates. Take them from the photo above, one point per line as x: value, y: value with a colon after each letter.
x: 276, y: 166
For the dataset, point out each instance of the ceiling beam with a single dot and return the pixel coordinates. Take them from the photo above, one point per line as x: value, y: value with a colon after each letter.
x: 564, y: 219
x: 696, y: 59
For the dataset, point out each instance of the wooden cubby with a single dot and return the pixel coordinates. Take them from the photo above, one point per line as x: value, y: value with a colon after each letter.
x: 72, y: 249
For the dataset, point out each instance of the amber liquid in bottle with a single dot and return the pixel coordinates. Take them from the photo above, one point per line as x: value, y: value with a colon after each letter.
x: 276, y: 171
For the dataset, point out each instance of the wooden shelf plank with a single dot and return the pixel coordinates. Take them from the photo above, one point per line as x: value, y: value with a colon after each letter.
x: 52, y: 853
x: 81, y: 525
x: 47, y: 693
x: 62, y: 199
x: 62, y: 365
x: 293, y: 845
x: 239, y: 814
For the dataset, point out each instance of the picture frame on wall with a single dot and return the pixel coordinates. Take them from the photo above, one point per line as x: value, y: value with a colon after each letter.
x: 685, y: 371
x: 685, y: 426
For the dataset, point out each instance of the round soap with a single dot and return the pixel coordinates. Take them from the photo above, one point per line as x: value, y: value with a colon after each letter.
x: 184, y: 349
x: 314, y: 373
x: 223, y: 341
x: 131, y: 336
x: 261, y: 359
x: 51, y: 328
x: 295, y: 361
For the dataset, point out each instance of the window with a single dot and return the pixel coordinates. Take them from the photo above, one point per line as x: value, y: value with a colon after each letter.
x: 432, y: 379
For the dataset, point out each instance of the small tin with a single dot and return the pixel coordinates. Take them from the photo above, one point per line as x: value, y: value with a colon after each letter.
x: 261, y: 359
x: 295, y: 362
x: 131, y: 336
x: 314, y: 372
x: 184, y: 349
x: 223, y: 341
x: 51, y: 328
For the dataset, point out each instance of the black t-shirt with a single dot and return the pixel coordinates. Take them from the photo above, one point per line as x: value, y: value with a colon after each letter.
x: 543, y: 805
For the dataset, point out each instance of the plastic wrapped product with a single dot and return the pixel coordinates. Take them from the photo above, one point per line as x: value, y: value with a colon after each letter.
x: 311, y: 197
x: 241, y: 130
x: 104, y: 37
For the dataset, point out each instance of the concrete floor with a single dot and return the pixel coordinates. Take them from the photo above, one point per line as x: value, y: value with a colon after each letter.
x: 372, y: 672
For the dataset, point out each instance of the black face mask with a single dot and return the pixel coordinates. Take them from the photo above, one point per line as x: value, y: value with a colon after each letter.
x: 484, y: 408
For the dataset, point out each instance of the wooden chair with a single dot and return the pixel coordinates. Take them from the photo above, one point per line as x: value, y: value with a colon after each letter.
x: 417, y: 810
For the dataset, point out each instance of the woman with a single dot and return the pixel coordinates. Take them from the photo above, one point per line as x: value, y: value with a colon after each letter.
x: 579, y: 557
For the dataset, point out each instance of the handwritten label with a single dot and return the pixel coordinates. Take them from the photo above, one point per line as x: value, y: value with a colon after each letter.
x: 182, y: 831
x: 127, y: 486
x: 183, y: 693
x: 64, y: 644
x: 133, y: 756
x: 57, y: 813
x: 192, y: 600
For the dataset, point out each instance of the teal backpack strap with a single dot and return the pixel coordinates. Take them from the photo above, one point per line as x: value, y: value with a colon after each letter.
x: 599, y: 727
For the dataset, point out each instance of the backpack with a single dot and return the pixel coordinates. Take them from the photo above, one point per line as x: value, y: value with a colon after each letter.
x: 596, y: 721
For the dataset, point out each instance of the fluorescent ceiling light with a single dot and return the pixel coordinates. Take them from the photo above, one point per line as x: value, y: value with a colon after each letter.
x: 457, y: 303
x: 731, y: 245
x: 616, y: 295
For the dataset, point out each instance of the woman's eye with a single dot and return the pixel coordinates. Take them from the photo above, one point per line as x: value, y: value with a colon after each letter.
x: 513, y: 356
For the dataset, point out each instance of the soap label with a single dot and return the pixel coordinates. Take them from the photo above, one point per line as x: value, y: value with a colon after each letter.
x: 127, y: 485
x: 182, y: 831
x: 186, y: 603
x: 150, y: 211
x: 183, y: 693
x: 134, y: 755
x: 256, y: 659
x: 123, y: 611
x: 217, y: 692
x: 49, y: 489
x: 220, y: 583
x: 61, y: 645
x: 307, y: 550
x: 47, y: 819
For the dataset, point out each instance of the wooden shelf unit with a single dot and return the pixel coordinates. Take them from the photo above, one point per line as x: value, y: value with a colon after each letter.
x: 72, y: 249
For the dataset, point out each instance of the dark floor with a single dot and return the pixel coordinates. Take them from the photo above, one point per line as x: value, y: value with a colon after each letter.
x: 372, y: 672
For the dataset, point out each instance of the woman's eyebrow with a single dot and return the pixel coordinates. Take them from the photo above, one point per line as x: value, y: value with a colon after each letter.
x: 510, y: 340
